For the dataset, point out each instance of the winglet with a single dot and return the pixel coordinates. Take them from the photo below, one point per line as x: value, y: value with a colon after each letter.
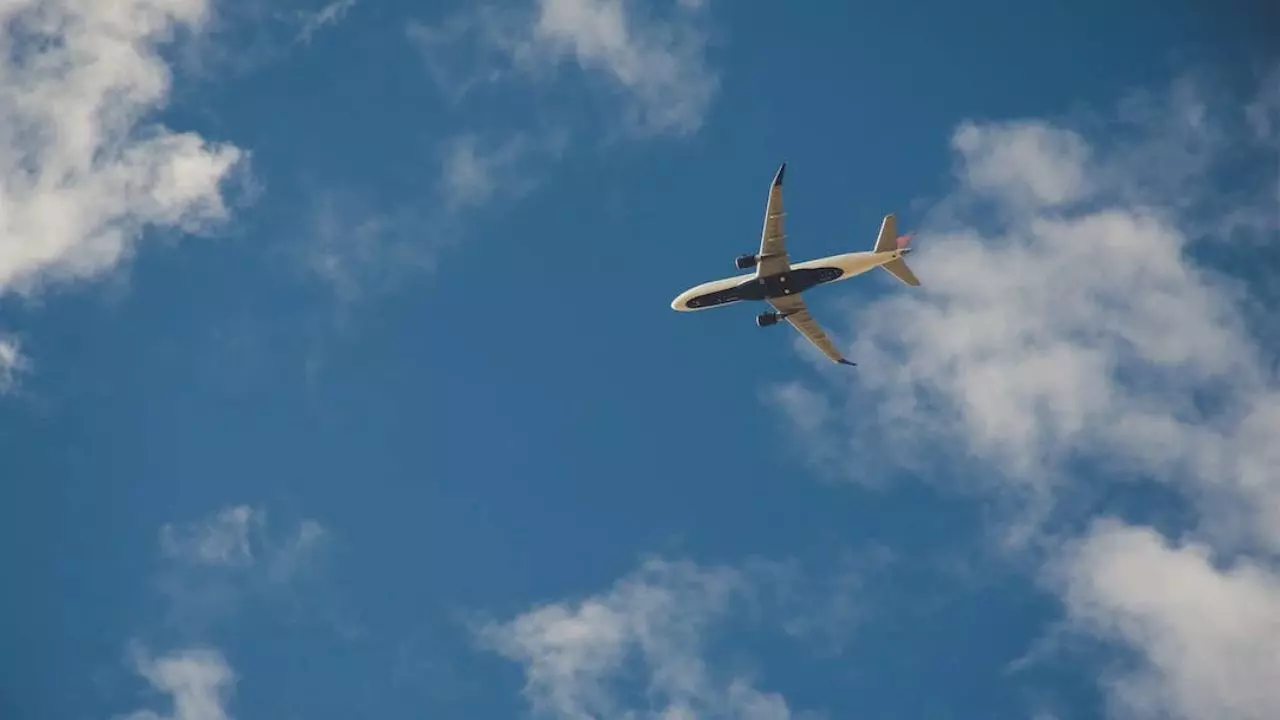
x: 777, y: 179
x: 842, y: 361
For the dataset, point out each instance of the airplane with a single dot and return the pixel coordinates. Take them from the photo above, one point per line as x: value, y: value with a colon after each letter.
x: 780, y: 283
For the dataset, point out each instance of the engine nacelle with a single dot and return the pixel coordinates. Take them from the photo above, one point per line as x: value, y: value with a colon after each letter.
x: 765, y: 319
x: 745, y: 262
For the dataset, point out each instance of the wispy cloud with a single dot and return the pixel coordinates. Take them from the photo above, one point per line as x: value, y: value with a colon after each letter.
x: 352, y: 248
x: 654, y: 60
x: 218, y: 561
x: 1066, y: 322
x: 328, y: 15
x: 475, y: 172
x: 651, y: 60
x: 358, y: 250
x: 222, y: 540
x: 12, y: 363
x: 238, y: 537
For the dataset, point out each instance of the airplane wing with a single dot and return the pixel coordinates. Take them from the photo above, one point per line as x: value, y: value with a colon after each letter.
x: 796, y: 312
x: 773, y: 239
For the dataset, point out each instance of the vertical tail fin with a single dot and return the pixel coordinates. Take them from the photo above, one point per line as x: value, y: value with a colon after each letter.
x: 889, y: 241
x: 886, y: 241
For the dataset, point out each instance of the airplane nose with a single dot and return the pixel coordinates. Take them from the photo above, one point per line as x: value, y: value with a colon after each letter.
x: 681, y: 301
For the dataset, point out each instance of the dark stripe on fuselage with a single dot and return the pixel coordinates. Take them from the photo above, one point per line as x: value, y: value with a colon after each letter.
x: 770, y: 286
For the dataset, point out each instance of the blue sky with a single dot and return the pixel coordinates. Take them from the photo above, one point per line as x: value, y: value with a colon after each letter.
x: 338, y: 376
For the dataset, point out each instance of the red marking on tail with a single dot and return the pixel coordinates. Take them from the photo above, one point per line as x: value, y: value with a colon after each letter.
x: 903, y: 240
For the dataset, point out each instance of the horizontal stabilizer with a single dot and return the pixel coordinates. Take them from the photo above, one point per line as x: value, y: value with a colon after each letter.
x: 898, y: 268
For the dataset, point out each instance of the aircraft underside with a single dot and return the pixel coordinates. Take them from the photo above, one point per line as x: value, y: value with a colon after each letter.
x: 770, y: 286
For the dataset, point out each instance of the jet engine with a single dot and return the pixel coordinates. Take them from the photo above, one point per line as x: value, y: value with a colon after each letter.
x: 765, y: 319
x: 745, y: 262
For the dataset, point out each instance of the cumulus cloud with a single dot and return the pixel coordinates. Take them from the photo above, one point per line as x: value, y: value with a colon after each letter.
x: 655, y: 60
x: 1209, y: 634
x: 1072, y: 334
x: 198, y: 681
x: 84, y: 170
x: 577, y: 655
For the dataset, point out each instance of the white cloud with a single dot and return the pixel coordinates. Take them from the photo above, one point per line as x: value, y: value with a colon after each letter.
x: 1084, y: 330
x: 645, y: 65
x: 221, y: 540
x: 1209, y: 635
x: 1046, y: 164
x: 83, y: 170
x: 475, y: 172
x: 198, y: 681
x: 656, y: 61
x: 577, y: 655
x: 12, y: 363
x: 233, y: 555
x: 237, y: 537
x: 328, y: 15
x: 353, y: 249
x: 357, y: 250
x: 219, y: 557
x: 470, y: 174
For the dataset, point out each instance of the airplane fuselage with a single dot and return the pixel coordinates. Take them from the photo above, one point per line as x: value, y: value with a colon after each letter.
x: 797, y: 279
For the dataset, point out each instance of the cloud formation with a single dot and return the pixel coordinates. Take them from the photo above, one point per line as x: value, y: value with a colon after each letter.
x: 199, y: 683
x: 475, y: 172
x: 654, y: 60
x: 357, y: 251
x: 218, y: 558
x: 1208, y: 634
x: 12, y: 363
x: 219, y: 562
x: 237, y: 537
x: 646, y: 67
x: 330, y: 14
x: 1072, y: 336
x: 577, y: 655
x: 84, y: 172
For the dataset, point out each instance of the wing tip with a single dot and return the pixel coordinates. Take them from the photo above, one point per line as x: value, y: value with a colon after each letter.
x: 843, y: 361
x: 782, y: 170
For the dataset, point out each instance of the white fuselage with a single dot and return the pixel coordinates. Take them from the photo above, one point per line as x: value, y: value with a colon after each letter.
x: 796, y: 279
